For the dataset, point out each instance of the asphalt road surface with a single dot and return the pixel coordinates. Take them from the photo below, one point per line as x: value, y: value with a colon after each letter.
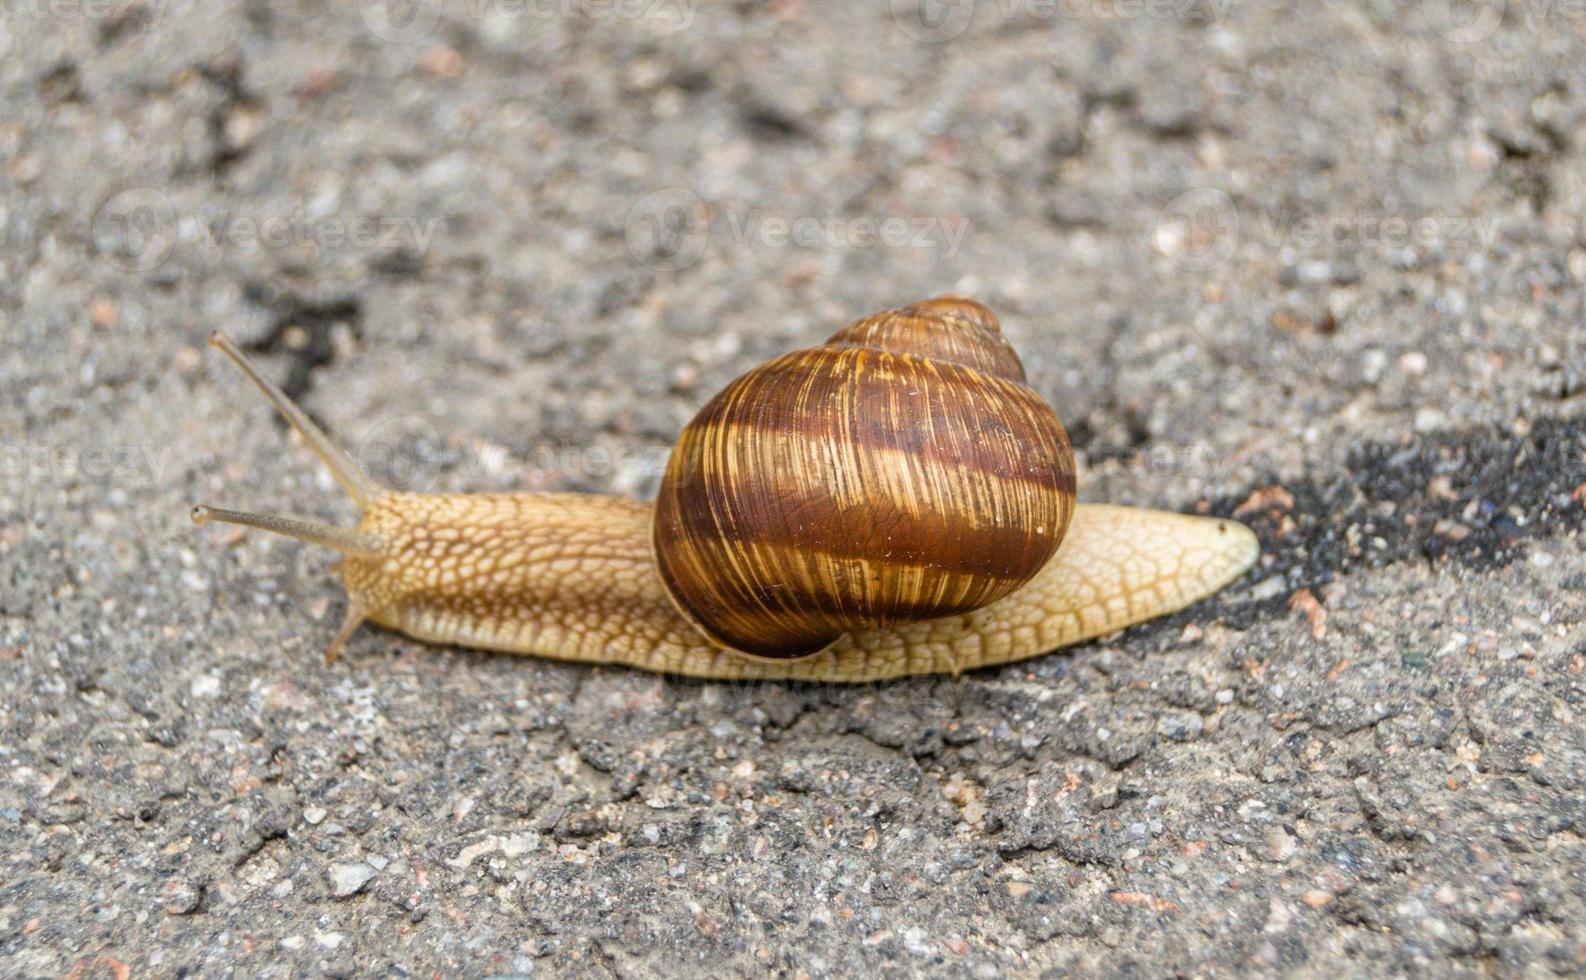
x: 1317, y: 264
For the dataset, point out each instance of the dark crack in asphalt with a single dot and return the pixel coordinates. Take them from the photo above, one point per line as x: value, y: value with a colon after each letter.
x: 303, y: 329
x: 1474, y: 499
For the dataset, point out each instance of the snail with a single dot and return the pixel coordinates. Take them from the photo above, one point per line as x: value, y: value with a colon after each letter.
x: 895, y: 501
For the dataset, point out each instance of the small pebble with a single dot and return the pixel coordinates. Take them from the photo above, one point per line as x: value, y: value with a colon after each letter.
x: 1372, y: 365
x: 347, y: 880
x: 1181, y: 726
x: 1269, y: 588
x: 442, y: 62
x: 685, y: 378
x: 181, y: 896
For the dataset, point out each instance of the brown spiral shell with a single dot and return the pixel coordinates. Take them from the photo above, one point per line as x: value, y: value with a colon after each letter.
x: 901, y: 471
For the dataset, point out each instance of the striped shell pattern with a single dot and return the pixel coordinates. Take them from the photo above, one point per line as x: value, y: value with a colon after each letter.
x: 901, y: 471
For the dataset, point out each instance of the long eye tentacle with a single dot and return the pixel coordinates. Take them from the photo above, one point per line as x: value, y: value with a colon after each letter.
x: 346, y: 540
x: 358, y: 484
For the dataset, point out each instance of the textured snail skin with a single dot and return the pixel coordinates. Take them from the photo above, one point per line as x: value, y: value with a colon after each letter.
x: 570, y: 577
x: 901, y: 471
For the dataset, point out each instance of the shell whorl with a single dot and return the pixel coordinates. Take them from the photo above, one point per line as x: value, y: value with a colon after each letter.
x: 901, y: 471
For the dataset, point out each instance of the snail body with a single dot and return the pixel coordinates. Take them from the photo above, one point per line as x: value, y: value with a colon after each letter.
x: 602, y: 579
